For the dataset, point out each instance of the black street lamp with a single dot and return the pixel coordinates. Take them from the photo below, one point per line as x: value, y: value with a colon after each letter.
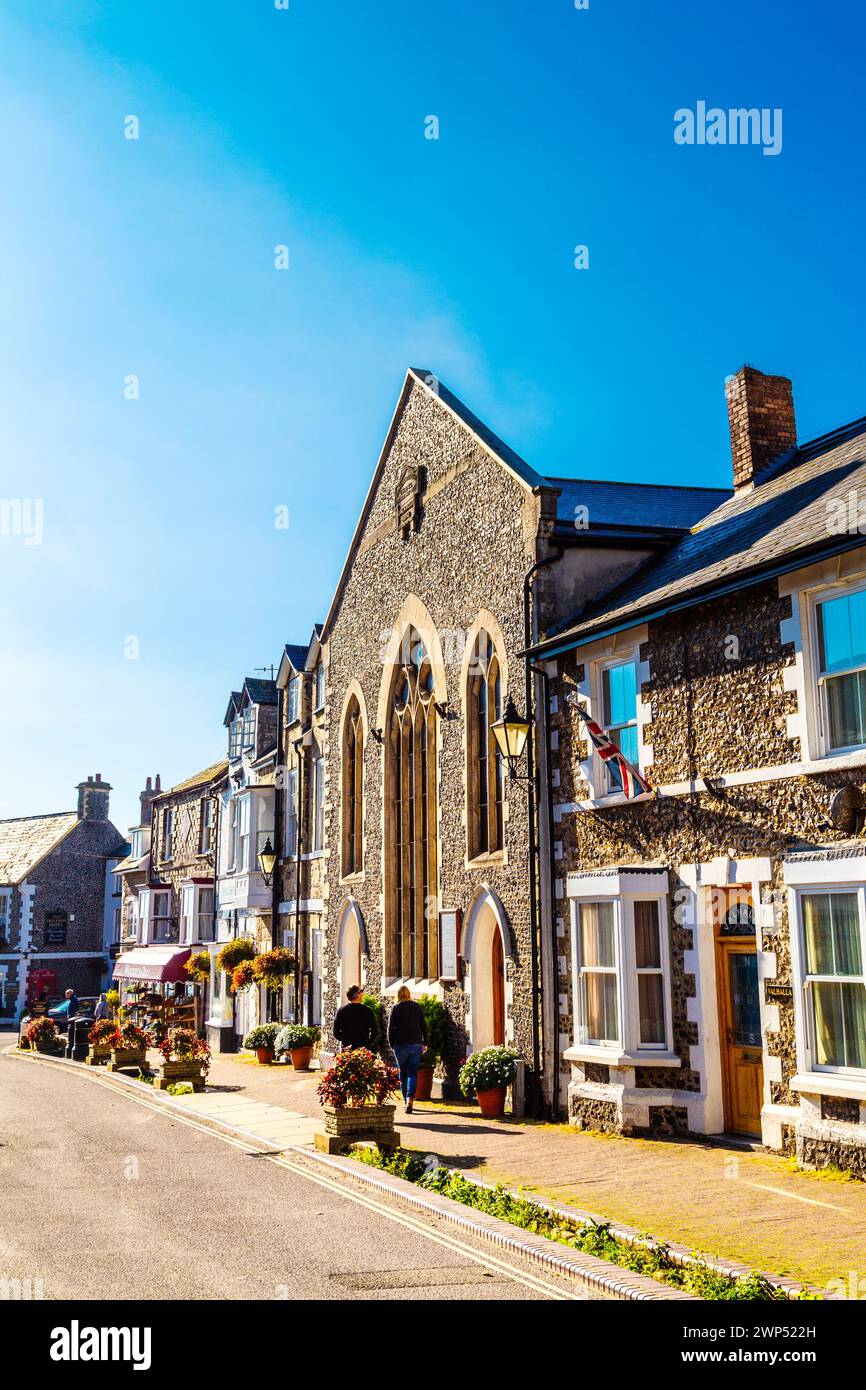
x: 267, y: 861
x: 511, y: 731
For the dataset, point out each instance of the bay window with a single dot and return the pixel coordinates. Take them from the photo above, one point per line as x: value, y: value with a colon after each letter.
x: 144, y: 916
x: 621, y: 967
x: 291, y: 812
x: 841, y: 623
x: 204, y: 915
x: 831, y: 924
x: 161, y: 918
x: 186, y: 908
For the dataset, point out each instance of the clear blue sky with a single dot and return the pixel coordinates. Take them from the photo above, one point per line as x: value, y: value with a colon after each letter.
x: 259, y: 388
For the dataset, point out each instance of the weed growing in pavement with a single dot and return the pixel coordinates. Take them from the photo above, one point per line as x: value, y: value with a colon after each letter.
x: 591, y: 1237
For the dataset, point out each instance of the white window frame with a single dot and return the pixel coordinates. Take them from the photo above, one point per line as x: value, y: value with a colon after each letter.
x: 5, y: 913
x: 602, y: 776
x: 233, y: 834
x: 243, y: 831
x: 135, y: 844
x: 187, y: 900
x: 206, y: 825
x: 291, y: 813
x: 160, y: 895
x: 623, y: 891
x: 803, y: 878
x: 816, y: 681
x: 293, y: 700
x: 204, y: 918
x: 318, y: 826
x: 319, y: 702
x: 248, y: 729
x: 143, y: 916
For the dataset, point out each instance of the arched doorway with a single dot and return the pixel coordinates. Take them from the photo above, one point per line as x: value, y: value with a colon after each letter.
x: 485, y: 951
x: 351, y: 944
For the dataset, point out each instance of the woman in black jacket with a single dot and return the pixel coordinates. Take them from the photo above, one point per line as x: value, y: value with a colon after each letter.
x: 407, y: 1036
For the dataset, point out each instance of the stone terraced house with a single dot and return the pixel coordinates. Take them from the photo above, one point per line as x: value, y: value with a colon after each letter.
x: 59, y: 905
x: 425, y: 869
x: 711, y: 935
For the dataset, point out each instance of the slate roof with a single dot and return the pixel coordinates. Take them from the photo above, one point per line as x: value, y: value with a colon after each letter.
x: 26, y: 840
x: 203, y: 778
x: 261, y: 692
x: 297, y: 655
x: 780, y: 524
x: 638, y: 505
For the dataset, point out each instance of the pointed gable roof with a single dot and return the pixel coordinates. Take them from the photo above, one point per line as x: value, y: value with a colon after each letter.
x: 25, y: 842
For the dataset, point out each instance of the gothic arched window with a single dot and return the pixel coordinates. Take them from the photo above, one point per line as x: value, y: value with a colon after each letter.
x: 486, y: 782
x: 353, y: 789
x: 412, y: 935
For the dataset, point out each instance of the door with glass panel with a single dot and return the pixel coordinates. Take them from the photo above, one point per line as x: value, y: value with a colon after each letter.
x: 741, y: 1045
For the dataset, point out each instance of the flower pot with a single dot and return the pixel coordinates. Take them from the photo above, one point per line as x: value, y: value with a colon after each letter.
x: 265, y: 1055
x: 185, y: 1069
x: 301, y: 1058
x: 352, y: 1124
x: 127, y: 1057
x: 492, y: 1103
x: 98, y: 1054
x: 424, y: 1085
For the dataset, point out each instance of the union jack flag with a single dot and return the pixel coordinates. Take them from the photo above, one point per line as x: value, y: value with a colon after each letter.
x: 631, y: 781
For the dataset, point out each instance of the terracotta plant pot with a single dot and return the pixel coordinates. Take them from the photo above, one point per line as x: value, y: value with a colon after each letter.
x: 492, y: 1103
x: 301, y: 1058
x: 265, y: 1055
x: 424, y: 1084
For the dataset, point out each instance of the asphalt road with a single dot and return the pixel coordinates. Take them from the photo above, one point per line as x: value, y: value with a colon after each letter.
x: 102, y: 1197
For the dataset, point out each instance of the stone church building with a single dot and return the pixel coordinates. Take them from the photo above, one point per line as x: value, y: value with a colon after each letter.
x: 462, y: 557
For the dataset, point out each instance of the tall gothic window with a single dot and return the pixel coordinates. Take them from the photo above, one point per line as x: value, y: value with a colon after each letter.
x: 412, y: 937
x: 486, y: 775
x: 353, y: 789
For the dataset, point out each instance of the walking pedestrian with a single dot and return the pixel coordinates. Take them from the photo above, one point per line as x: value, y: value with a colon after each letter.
x: 354, y: 1023
x: 408, y: 1038
x: 101, y: 1010
x: 74, y: 1004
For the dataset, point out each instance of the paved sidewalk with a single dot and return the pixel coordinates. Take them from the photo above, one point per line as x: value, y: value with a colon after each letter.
x: 722, y: 1201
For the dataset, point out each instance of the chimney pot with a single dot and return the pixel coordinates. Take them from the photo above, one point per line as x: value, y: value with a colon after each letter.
x: 761, y: 420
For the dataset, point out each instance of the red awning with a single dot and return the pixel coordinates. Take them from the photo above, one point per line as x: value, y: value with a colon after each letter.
x: 161, y: 964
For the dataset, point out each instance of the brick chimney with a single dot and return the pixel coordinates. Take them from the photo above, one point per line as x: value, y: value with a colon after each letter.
x: 145, y: 798
x: 93, y: 798
x: 761, y: 417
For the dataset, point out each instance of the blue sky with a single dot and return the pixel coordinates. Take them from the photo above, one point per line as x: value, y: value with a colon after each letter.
x: 261, y: 388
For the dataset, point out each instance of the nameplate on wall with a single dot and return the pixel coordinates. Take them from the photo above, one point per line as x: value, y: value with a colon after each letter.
x: 449, y: 944
x: 774, y: 993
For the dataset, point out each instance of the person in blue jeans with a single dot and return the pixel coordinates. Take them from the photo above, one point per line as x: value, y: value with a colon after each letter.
x: 408, y: 1038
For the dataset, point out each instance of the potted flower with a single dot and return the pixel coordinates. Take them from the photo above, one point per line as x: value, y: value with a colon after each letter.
x: 112, y: 999
x: 198, y: 967
x: 128, y: 1046
x: 262, y: 1041
x: 99, y: 1038
x: 354, y: 1096
x: 436, y: 1025
x: 299, y: 1041
x: 488, y: 1074
x: 231, y: 955
x: 42, y: 1034
x: 271, y: 968
x: 185, y: 1057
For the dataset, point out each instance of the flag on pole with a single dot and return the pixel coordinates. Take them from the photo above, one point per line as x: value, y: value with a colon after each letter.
x: 632, y: 782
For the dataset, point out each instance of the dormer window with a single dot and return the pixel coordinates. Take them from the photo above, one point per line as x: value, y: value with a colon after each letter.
x: 248, y: 732
x: 235, y: 736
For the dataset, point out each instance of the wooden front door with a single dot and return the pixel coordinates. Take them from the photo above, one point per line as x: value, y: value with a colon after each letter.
x: 498, y: 984
x: 740, y: 1022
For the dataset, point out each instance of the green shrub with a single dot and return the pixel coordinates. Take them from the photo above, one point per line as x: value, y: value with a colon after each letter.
x: 180, y: 1088
x: 436, y: 1024
x: 492, y: 1066
x: 295, y: 1035
x: 377, y: 1009
x: 264, y: 1035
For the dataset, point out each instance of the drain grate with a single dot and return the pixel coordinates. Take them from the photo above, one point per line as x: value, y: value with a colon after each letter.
x: 411, y: 1278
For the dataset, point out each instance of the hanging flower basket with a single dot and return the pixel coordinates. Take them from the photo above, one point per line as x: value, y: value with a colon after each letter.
x: 272, y: 967
x: 198, y: 967
x: 234, y: 952
x: 242, y: 977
